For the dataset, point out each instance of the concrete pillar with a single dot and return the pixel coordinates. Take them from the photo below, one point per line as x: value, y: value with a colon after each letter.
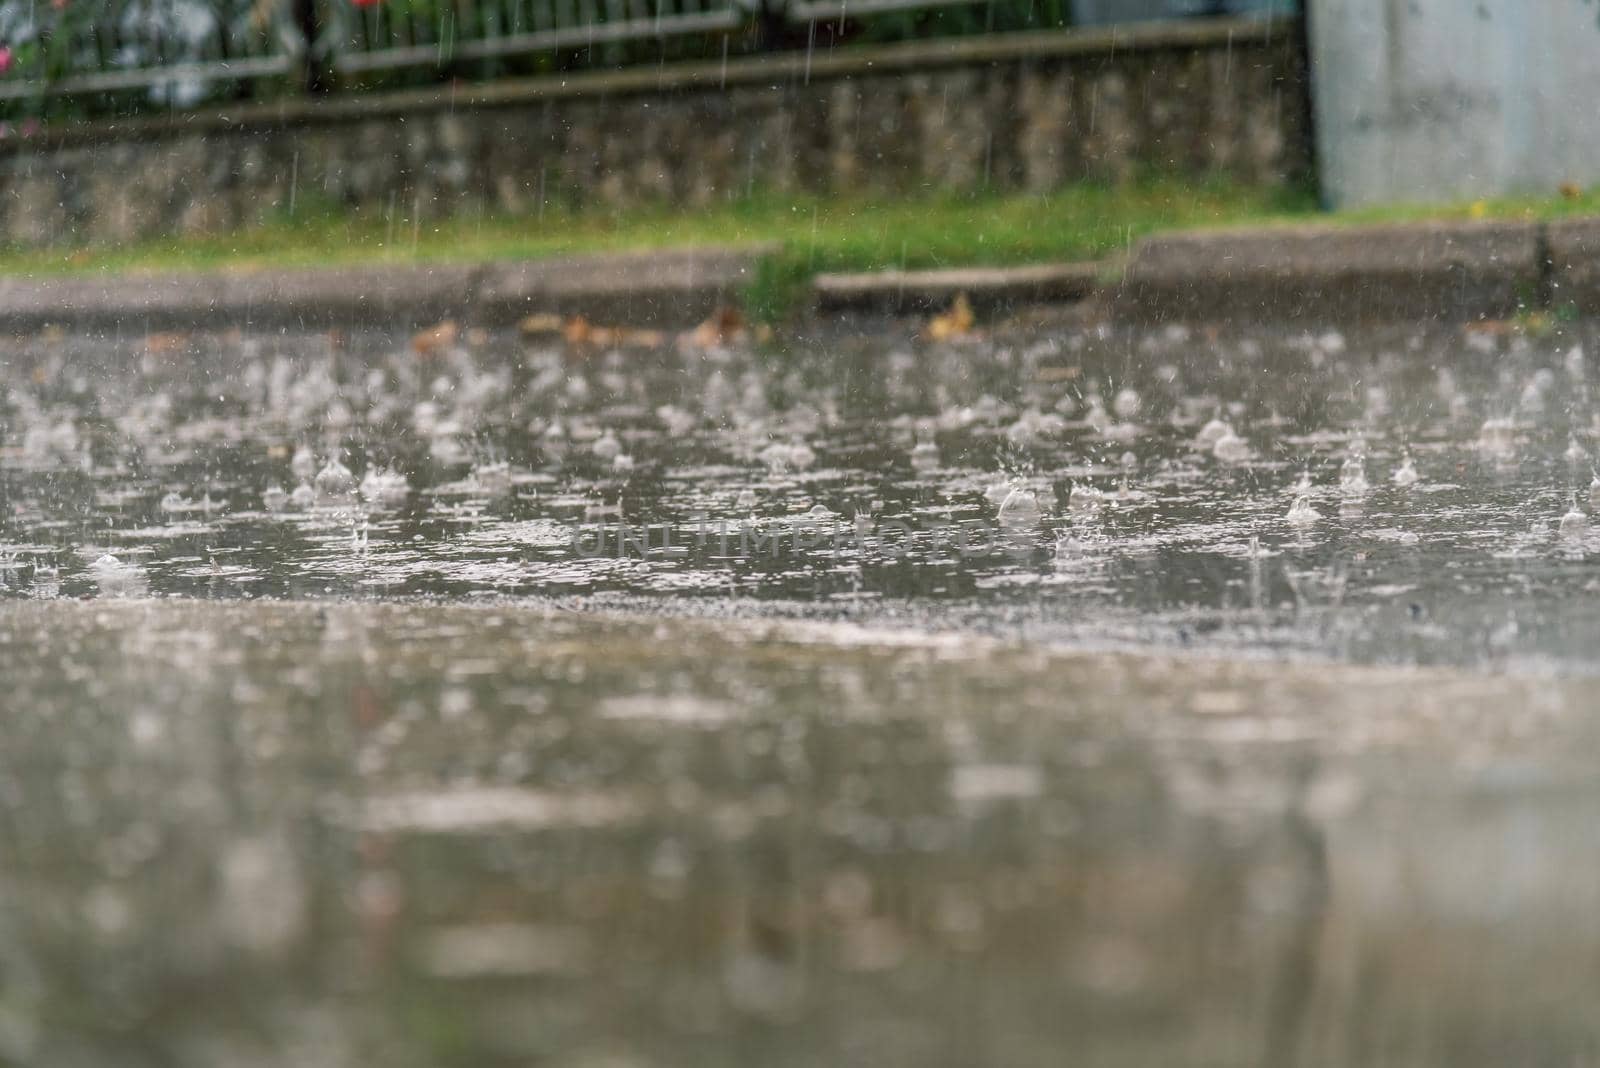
x: 1454, y: 99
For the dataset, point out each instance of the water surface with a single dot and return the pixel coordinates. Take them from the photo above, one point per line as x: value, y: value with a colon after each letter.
x: 481, y: 700
x: 849, y: 477
x: 290, y: 834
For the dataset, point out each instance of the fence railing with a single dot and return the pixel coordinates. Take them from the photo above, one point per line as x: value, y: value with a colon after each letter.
x: 385, y: 36
x: 176, y: 53
x: 171, y: 47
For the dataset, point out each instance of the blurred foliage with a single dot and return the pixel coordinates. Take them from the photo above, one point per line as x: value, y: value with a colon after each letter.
x: 998, y: 16
x: 43, y: 42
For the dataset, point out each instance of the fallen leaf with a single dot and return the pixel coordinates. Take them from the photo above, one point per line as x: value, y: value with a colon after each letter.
x: 169, y: 341
x: 954, y: 322
x: 581, y: 333
x: 540, y: 325
x: 644, y: 339
x: 725, y: 326
x: 577, y: 331
x: 428, y: 342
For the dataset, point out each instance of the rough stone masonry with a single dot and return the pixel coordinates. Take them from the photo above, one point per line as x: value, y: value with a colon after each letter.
x: 1012, y: 112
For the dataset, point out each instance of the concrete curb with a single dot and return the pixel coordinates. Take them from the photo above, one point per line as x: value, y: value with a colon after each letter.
x: 989, y: 289
x: 1439, y: 271
x: 1572, y: 249
x: 1434, y: 271
x: 668, y: 289
x: 1449, y: 271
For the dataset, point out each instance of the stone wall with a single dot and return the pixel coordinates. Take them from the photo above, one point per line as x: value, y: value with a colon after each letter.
x: 1024, y: 111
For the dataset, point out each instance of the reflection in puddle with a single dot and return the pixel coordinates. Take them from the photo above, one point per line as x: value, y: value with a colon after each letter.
x: 331, y: 834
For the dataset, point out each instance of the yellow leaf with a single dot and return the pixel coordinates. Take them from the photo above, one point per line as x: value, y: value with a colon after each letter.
x: 955, y: 322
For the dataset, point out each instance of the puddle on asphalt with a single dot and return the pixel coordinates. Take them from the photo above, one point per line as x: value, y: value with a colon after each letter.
x: 347, y: 720
x: 1390, y: 495
x: 291, y: 834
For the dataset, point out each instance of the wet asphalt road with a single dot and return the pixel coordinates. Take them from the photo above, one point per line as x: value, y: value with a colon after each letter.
x: 262, y: 834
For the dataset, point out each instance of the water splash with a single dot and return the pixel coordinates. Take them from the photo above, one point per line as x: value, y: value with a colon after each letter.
x: 1301, y: 513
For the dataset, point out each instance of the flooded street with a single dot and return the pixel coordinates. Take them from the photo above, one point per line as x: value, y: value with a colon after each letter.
x: 471, y: 699
x: 1393, y: 496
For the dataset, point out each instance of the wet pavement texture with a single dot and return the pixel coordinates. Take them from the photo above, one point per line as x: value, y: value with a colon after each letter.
x: 1120, y: 698
x: 1391, y: 496
x: 257, y: 834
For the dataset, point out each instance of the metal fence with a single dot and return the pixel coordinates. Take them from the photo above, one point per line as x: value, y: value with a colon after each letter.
x: 388, y: 35
x: 99, y: 54
x: 170, y: 48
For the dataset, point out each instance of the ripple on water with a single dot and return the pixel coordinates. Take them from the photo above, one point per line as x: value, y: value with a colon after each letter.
x: 979, y: 487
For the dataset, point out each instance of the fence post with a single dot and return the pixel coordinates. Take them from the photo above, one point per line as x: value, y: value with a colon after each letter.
x: 771, y: 24
x: 312, y: 75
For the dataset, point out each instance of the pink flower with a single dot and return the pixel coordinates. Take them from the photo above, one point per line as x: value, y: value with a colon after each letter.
x: 5, y: 58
